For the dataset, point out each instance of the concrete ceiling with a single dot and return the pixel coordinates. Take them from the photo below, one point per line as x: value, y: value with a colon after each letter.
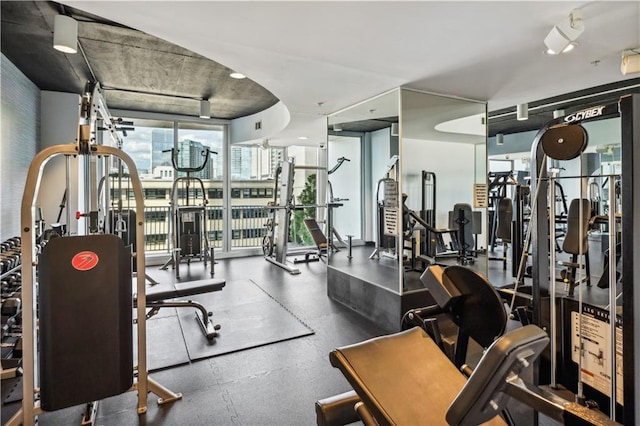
x: 138, y: 71
x: 320, y: 57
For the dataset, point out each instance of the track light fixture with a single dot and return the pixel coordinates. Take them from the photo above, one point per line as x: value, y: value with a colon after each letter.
x: 65, y: 34
x: 205, y: 108
x: 562, y: 37
x: 522, y: 112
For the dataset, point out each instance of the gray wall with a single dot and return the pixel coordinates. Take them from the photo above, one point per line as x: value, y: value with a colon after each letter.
x: 20, y: 133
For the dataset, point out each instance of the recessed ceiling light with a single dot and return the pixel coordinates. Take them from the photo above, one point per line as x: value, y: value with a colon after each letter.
x: 237, y: 75
x: 303, y: 138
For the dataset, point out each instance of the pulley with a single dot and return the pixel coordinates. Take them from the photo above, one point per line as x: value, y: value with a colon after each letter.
x: 564, y: 141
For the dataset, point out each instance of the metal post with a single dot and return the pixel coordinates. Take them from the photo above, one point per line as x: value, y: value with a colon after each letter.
x: 67, y: 172
x: 612, y: 297
x: 552, y: 276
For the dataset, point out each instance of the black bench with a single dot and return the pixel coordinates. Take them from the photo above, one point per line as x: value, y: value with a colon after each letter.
x: 161, y: 296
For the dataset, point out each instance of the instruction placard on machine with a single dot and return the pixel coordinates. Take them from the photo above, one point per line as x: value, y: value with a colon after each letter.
x: 480, y: 195
x: 596, y: 352
x: 390, y: 208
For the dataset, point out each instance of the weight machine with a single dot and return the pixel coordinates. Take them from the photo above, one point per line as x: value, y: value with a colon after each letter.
x: 564, y: 139
x: 189, y: 236
x: 387, y: 213
x: 45, y: 310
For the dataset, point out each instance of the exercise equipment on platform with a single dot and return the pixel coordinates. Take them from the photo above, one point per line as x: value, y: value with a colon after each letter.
x: 387, y: 214
x: 189, y: 237
x: 468, y: 224
x: 434, y: 235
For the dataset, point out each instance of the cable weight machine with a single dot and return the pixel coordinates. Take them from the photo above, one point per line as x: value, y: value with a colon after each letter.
x: 189, y: 238
x: 81, y: 307
x: 564, y: 139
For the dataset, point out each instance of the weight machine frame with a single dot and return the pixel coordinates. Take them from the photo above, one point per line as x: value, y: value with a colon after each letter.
x: 281, y: 215
x: 93, y: 104
x: 628, y: 109
x: 178, y: 212
x: 393, y: 207
x: 274, y: 243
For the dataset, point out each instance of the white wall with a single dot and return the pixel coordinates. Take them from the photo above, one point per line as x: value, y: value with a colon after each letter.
x: 20, y: 125
x: 272, y: 120
x: 346, y: 183
x: 60, y: 114
x: 453, y: 164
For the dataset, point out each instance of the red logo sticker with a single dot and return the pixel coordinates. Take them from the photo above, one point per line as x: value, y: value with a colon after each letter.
x: 85, y: 260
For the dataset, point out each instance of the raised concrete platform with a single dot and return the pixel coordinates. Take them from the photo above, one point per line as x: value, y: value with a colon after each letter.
x: 371, y: 287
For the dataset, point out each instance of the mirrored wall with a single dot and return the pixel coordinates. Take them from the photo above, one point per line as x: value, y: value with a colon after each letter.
x: 416, y: 172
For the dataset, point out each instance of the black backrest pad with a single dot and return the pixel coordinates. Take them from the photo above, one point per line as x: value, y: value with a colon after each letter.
x: 443, y: 291
x: 482, y: 397
x: 462, y: 213
x: 505, y: 215
x: 479, y: 312
x: 85, y: 302
x: 577, y: 234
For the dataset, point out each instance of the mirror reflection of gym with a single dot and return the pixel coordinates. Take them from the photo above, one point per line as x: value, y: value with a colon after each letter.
x: 417, y: 162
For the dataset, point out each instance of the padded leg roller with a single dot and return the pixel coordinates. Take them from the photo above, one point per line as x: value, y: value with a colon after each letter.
x: 337, y: 409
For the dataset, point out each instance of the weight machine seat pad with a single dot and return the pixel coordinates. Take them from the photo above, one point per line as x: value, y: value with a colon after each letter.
x: 571, y: 243
x: 403, y: 378
x: 190, y: 288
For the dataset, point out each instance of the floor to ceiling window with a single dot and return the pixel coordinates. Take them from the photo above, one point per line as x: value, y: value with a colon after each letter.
x: 252, y: 172
x: 237, y: 189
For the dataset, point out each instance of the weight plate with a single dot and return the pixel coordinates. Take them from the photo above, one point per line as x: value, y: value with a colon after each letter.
x: 267, y: 245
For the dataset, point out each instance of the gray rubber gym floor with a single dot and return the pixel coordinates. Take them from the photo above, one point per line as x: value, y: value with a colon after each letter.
x: 275, y: 384
x: 272, y: 384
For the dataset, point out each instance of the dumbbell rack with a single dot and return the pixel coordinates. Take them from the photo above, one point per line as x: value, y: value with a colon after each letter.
x: 11, y: 308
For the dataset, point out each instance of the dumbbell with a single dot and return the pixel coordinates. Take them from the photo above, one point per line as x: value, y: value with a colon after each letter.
x: 11, y: 312
x: 9, y: 262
